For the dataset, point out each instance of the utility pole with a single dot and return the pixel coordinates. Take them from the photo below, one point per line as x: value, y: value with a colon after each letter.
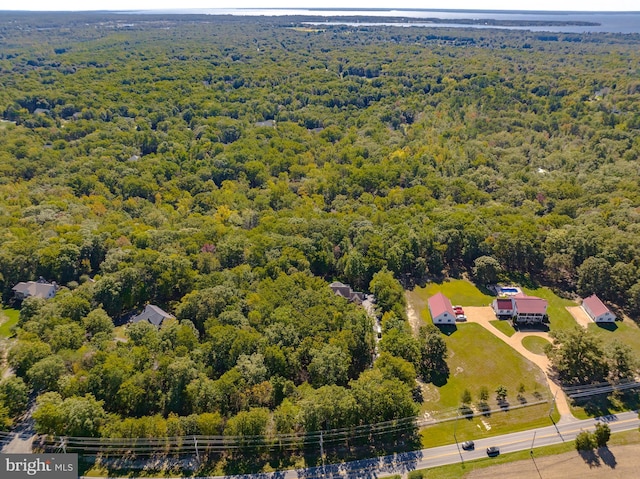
x: 455, y: 425
x: 322, y: 453
x: 553, y: 402
x: 532, y: 441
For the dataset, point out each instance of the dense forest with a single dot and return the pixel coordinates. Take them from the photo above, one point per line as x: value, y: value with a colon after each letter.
x: 229, y: 169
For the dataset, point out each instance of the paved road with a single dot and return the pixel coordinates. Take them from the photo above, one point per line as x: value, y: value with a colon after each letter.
x: 21, y: 440
x: 439, y: 456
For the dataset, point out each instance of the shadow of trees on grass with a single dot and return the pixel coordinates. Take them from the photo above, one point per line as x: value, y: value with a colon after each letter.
x: 607, y: 457
x: 602, y: 455
x: 590, y: 458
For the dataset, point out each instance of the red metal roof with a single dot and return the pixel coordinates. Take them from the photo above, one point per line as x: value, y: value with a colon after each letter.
x: 439, y: 304
x: 531, y: 305
x: 504, y: 303
x: 596, y: 306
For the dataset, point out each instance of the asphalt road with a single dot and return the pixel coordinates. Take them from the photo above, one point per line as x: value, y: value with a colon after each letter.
x: 439, y: 456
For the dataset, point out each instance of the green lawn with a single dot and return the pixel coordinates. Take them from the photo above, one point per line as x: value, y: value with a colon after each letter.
x: 459, y: 291
x: 8, y: 319
x: 477, y: 358
x: 487, y: 426
x: 535, y: 344
x: 504, y: 326
x: 559, y: 317
x: 625, y: 331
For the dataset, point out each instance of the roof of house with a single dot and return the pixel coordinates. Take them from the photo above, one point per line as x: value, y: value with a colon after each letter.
x: 439, y: 304
x: 37, y: 289
x: 267, y: 123
x: 337, y: 284
x: 153, y: 314
x: 530, y: 305
x: 504, y: 303
x: 596, y: 306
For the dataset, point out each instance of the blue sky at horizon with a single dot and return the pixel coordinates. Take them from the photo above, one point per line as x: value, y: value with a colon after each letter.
x: 119, y: 5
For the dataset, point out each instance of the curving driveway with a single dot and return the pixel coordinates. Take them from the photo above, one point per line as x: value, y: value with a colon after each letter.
x: 483, y: 315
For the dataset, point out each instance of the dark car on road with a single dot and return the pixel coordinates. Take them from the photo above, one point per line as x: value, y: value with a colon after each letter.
x: 468, y: 445
x: 493, y: 451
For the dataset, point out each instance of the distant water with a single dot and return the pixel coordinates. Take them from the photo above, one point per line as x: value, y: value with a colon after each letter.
x: 612, y: 22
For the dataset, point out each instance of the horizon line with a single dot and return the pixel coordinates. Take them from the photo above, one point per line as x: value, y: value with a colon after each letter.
x: 329, y: 9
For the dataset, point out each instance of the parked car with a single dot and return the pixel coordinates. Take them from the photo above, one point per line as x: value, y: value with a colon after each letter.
x: 461, y: 317
x: 468, y: 445
x: 493, y: 451
x: 458, y: 310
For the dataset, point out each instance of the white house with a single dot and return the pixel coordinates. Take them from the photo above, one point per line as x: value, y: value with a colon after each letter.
x: 530, y: 309
x: 36, y: 289
x: 441, y: 309
x: 597, y: 311
x: 152, y: 314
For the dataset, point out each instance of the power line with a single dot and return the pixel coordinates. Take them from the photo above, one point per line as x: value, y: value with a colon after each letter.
x: 190, y: 444
x: 195, y: 443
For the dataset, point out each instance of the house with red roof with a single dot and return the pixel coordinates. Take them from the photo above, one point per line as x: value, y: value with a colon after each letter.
x: 521, y: 308
x: 597, y: 310
x: 441, y: 310
x: 530, y: 309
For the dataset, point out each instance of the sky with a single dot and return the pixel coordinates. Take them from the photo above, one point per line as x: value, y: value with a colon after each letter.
x: 79, y: 5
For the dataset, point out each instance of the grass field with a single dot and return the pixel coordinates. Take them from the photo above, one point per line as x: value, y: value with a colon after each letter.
x: 535, y: 344
x: 503, y: 326
x: 626, y: 332
x: 8, y: 319
x: 477, y: 358
x: 459, y: 291
x: 487, y: 426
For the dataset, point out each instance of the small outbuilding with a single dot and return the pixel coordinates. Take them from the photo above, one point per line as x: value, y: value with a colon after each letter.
x: 153, y: 315
x: 597, y: 310
x: 441, y: 310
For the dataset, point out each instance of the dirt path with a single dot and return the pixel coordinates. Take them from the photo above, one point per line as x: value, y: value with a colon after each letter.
x: 4, y: 365
x: 616, y: 462
x: 484, y: 315
x: 580, y: 315
x: 414, y: 320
